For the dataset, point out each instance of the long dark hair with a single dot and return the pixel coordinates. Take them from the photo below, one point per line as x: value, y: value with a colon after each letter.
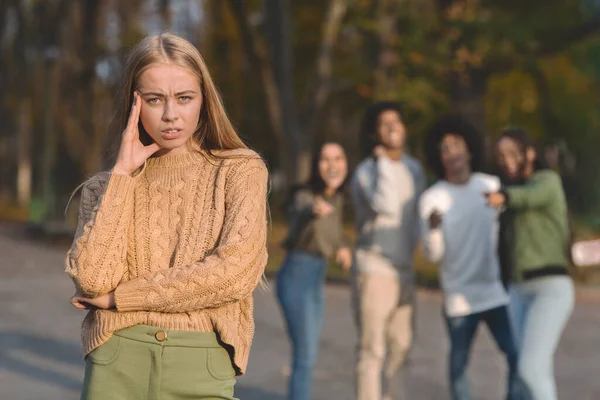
x: 525, y: 142
x: 315, y: 182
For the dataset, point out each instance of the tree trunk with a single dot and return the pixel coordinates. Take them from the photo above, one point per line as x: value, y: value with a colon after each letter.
x: 50, y: 141
x: 166, y: 14
x: 93, y: 160
x: 258, y: 59
x: 467, y: 94
x: 387, y: 57
x: 24, y: 168
x: 17, y: 82
x: 278, y: 19
x: 467, y: 86
x: 551, y: 123
x: 47, y: 21
x: 275, y: 66
x: 321, y: 85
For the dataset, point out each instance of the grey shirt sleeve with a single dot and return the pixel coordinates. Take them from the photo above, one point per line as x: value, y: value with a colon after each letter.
x: 420, y: 184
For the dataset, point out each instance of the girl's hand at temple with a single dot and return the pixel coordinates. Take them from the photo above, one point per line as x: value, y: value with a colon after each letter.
x: 133, y: 153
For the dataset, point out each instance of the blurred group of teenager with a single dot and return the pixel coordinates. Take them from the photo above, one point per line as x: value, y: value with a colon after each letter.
x: 497, y: 227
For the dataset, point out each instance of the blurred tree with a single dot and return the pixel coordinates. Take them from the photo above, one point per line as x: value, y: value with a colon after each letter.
x: 293, y: 73
x: 271, y: 54
x: 456, y: 46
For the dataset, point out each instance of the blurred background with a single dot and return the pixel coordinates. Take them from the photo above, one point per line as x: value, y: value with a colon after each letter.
x: 295, y: 72
x: 292, y: 74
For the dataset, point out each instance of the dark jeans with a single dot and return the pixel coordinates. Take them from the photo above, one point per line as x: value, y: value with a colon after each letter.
x: 300, y: 283
x: 462, y: 331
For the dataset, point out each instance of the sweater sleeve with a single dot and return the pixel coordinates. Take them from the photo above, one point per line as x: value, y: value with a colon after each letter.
x: 230, y: 273
x: 432, y: 239
x: 97, y: 258
x: 536, y: 193
x: 380, y: 192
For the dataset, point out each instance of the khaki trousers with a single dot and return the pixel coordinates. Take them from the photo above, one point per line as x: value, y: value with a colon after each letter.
x: 384, y: 317
x: 148, y: 363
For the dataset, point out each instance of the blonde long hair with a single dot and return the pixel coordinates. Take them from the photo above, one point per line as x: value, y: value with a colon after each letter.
x: 214, y: 131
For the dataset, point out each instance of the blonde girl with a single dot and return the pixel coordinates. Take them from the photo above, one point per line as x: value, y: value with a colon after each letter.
x: 171, y: 242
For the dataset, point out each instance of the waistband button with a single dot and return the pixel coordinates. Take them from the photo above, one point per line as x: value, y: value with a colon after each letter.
x: 161, y: 336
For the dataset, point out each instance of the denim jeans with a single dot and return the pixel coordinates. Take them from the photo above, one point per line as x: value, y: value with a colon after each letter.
x: 300, y: 284
x: 539, y: 310
x: 462, y: 332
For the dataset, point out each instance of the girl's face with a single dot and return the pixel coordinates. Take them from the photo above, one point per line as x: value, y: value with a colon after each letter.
x: 510, y: 158
x: 333, y: 166
x: 171, y: 104
x: 455, y: 154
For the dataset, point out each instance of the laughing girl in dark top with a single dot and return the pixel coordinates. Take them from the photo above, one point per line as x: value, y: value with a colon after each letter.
x: 314, y: 237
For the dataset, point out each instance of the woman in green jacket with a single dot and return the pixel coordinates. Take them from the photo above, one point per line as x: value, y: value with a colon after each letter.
x: 535, y: 237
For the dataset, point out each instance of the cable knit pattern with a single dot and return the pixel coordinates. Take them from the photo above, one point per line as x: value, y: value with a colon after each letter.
x: 183, y: 244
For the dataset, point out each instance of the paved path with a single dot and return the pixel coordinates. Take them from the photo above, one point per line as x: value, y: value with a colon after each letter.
x: 40, y: 351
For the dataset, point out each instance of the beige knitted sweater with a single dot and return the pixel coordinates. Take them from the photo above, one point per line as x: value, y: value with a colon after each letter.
x: 182, y: 244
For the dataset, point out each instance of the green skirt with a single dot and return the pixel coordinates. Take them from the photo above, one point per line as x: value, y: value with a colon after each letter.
x: 148, y: 363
